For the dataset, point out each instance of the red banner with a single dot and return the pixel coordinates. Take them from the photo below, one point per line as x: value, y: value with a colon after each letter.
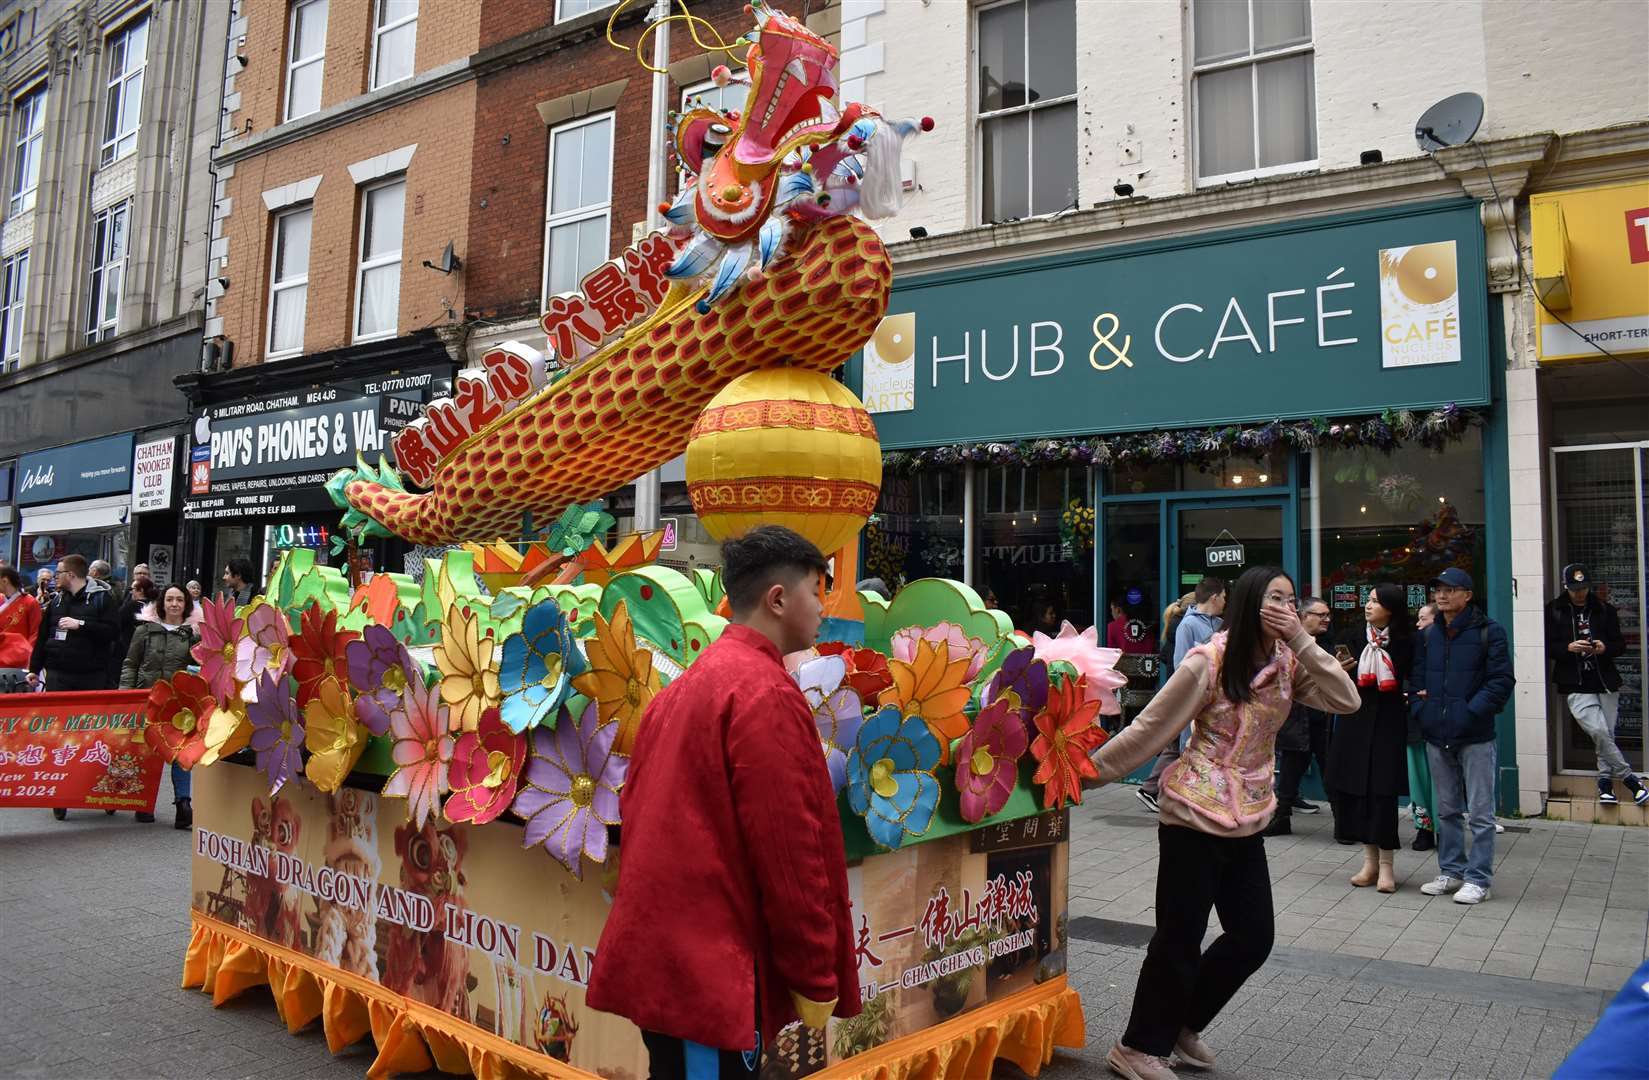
x: 77, y: 751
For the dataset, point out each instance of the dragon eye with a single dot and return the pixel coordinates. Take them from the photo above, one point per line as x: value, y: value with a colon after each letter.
x: 421, y: 853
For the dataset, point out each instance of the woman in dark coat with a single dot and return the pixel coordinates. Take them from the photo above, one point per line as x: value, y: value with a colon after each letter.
x: 1367, y: 758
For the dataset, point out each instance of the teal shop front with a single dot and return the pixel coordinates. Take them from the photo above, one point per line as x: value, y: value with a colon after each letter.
x: 1084, y: 437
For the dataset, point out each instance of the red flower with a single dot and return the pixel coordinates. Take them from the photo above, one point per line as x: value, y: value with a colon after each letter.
x: 1066, y: 735
x: 867, y: 670
x: 178, y: 709
x: 485, y: 770
x: 318, y: 652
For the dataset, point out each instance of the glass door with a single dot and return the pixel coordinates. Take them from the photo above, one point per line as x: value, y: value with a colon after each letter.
x: 1225, y: 537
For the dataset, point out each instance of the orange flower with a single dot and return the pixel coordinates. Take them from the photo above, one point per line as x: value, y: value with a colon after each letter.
x: 621, y: 680
x: 934, y: 687
x: 1066, y: 735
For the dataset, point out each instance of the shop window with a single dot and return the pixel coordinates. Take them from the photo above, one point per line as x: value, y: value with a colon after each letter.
x: 305, y: 57
x: 1401, y: 517
x: 917, y: 531
x: 12, y: 302
x: 29, y: 116
x: 109, y: 238
x: 378, y: 277
x: 1035, y: 561
x: 572, y: 9
x: 127, y: 51
x: 394, y: 41
x: 1254, y: 84
x: 289, y: 282
x: 578, y: 221
x: 1027, y: 110
x: 1229, y: 474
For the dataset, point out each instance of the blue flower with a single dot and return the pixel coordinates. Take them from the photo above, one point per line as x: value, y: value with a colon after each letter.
x: 536, y: 667
x: 890, y: 776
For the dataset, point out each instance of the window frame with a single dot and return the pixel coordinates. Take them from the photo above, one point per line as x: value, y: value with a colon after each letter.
x: 115, y: 83
x: 294, y: 62
x: 603, y: 209
x: 26, y: 143
x: 379, y: 29
x: 560, y: 18
x: 980, y: 118
x: 1252, y: 60
x: 13, y: 271
x: 97, y: 327
x: 362, y: 264
x: 276, y: 287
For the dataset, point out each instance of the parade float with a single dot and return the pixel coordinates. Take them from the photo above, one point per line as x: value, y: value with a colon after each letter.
x: 407, y: 812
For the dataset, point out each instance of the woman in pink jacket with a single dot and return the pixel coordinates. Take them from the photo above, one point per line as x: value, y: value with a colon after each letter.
x: 1235, y: 693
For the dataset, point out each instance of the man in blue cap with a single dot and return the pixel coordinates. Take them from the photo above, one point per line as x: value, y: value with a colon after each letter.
x: 1462, y: 678
x: 1582, y: 640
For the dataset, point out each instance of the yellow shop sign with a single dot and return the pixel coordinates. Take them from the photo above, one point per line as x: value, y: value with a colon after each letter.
x: 1591, y: 271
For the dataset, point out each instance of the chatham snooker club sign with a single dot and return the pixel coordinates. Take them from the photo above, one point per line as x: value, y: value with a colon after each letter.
x: 1350, y: 314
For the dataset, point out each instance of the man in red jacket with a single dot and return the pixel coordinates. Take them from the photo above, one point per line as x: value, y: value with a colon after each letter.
x: 732, y: 915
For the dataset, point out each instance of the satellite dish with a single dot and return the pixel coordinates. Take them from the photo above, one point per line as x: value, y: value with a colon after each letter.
x: 449, y: 262
x: 1451, y: 122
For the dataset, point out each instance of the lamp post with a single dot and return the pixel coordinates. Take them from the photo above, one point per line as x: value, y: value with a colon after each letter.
x: 648, y: 483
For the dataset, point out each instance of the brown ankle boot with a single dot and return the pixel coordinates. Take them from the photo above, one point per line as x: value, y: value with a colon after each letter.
x: 1371, y: 867
x: 1388, y: 880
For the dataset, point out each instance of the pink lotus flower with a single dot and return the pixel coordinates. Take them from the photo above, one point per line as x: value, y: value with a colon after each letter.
x: 904, y: 645
x: 216, y: 650
x: 1092, y: 661
x: 987, y: 759
x: 422, y: 750
x: 261, y: 648
x: 486, y: 768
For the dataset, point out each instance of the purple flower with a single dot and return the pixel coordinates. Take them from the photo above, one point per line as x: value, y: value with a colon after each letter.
x: 277, y: 730
x: 1023, y: 676
x: 569, y: 793
x: 380, y: 670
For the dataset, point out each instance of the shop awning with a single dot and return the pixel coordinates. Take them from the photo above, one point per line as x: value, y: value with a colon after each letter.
x: 77, y: 516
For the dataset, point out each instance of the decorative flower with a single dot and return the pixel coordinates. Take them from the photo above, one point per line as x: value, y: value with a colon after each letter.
x: 1066, y: 735
x: 977, y: 652
x: 621, y: 680
x: 1024, y: 677
x: 421, y: 752
x: 219, y: 636
x: 486, y: 767
x: 837, y: 711
x: 319, y: 652
x: 469, y: 679
x: 262, y: 647
x: 537, y: 666
x: 890, y: 776
x: 380, y: 669
x: 277, y: 732
x: 228, y: 732
x: 934, y: 687
x: 987, y: 759
x: 332, y: 733
x: 571, y: 793
x: 1094, y: 662
x: 177, y: 712
x: 867, y: 670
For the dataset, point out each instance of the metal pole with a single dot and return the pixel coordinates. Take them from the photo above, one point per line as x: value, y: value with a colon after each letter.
x: 648, y: 484
x: 968, y: 551
x: 1316, y: 515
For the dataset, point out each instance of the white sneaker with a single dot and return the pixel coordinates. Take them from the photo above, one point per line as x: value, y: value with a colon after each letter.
x: 1471, y: 894
x: 1441, y: 885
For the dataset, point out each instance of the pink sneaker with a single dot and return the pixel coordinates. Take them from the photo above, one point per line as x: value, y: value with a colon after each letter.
x: 1133, y: 1065
x: 1192, y: 1051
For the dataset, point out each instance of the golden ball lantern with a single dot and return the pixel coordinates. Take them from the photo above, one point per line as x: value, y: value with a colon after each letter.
x: 786, y: 447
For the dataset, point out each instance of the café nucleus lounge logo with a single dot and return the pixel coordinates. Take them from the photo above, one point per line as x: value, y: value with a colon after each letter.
x: 1419, y: 305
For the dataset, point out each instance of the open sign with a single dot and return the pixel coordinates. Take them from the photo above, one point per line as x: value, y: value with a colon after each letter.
x: 1224, y: 555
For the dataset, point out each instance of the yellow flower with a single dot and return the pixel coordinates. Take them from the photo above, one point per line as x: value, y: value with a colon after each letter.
x: 227, y: 732
x: 334, y: 737
x: 621, y: 680
x: 469, y: 676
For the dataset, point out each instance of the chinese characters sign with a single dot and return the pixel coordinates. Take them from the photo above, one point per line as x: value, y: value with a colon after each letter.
x: 77, y: 750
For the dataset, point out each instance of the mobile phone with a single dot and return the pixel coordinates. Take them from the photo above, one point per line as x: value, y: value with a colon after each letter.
x: 1342, y: 652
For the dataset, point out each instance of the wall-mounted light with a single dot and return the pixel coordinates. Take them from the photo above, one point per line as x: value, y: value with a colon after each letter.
x: 241, y: 60
x: 1123, y: 191
x: 917, y: 232
x: 1371, y: 157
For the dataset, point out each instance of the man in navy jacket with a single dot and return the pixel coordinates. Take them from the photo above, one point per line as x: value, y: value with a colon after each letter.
x: 1461, y: 680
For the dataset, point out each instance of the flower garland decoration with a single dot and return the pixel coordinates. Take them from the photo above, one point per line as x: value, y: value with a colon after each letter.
x: 571, y: 793
x: 469, y: 678
x: 1385, y: 432
x: 262, y: 647
x: 867, y: 670
x: 421, y: 751
x: 838, y: 711
x: 216, y: 650
x: 890, y: 778
x: 228, y: 732
x: 904, y: 642
x: 621, y: 680
x: 536, y: 667
x: 1076, y: 526
x: 333, y: 735
x: 380, y: 669
x: 485, y: 771
x: 933, y: 687
x: 987, y: 759
x: 1093, y: 661
x: 177, y: 711
x: 1066, y: 735
x: 319, y: 652
x: 277, y: 731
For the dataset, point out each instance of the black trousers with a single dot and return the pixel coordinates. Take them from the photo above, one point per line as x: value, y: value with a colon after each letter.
x: 675, y: 1059
x: 1292, y: 766
x: 76, y: 680
x: 1180, y: 986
